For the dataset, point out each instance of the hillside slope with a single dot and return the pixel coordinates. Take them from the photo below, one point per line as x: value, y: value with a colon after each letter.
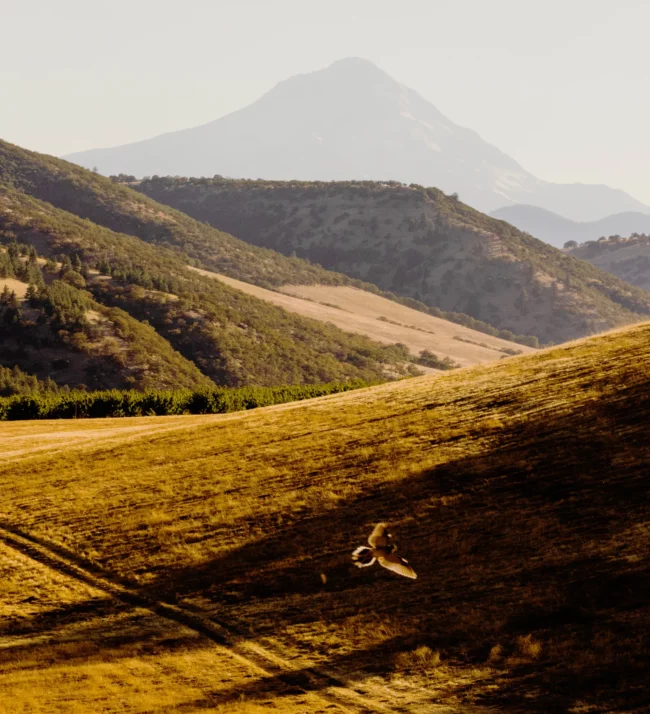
x: 418, y: 243
x: 124, y: 210
x: 54, y: 331
x: 627, y: 258
x: 121, y: 209
x: 557, y: 230
x: 518, y: 491
x: 232, y: 338
x: 384, y: 320
x: 353, y: 121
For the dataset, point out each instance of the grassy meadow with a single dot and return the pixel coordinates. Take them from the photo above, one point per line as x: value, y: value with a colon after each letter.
x: 519, y: 492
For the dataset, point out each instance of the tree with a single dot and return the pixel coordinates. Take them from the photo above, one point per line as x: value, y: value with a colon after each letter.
x: 570, y: 244
x: 66, y: 266
x: 5, y: 295
x: 31, y: 294
x: 72, y: 277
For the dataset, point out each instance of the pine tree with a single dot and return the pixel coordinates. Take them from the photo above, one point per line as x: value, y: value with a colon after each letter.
x: 31, y: 294
x: 66, y: 265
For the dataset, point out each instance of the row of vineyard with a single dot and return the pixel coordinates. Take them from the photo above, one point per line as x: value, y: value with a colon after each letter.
x: 116, y: 403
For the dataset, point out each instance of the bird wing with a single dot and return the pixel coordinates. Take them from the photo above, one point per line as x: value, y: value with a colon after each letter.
x: 397, y: 565
x: 378, y: 535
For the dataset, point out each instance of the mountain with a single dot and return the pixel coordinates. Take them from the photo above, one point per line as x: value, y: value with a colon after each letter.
x: 201, y: 564
x: 627, y: 258
x: 418, y: 243
x: 556, y: 230
x: 353, y: 121
x: 141, y: 261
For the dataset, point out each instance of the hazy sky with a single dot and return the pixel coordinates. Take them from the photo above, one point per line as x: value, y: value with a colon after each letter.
x: 559, y: 85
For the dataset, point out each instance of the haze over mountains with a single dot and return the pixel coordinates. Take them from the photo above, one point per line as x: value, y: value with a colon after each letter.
x: 556, y: 230
x: 353, y: 121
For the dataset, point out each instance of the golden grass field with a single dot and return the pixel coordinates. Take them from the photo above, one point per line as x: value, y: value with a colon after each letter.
x: 17, y: 286
x: 381, y: 319
x: 202, y: 563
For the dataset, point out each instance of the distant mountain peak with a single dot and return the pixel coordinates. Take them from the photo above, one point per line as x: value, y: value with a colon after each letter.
x: 359, y: 64
x: 352, y: 120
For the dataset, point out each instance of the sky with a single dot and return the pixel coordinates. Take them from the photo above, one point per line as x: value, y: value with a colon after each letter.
x: 561, y: 85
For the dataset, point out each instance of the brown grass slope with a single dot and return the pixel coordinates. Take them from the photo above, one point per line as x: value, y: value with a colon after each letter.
x: 518, y: 491
x: 383, y: 320
x: 417, y: 243
x: 70, y: 646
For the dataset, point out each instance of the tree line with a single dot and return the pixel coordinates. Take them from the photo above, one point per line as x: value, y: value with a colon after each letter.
x: 132, y: 403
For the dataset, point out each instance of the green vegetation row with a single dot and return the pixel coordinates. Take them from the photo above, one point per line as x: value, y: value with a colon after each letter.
x: 115, y: 403
x: 15, y: 381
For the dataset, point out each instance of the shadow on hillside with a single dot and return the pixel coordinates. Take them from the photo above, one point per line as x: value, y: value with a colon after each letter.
x: 534, y: 567
x: 305, y: 680
x: 61, y: 616
x: 542, y: 540
x: 103, y: 631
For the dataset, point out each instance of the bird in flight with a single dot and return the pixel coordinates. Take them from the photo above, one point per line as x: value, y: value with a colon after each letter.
x: 383, y: 551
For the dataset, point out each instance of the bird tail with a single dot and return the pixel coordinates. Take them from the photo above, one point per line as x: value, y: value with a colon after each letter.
x: 362, y: 557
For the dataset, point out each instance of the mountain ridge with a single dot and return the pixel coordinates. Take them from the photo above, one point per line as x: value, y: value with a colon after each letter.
x: 417, y: 243
x: 627, y: 258
x: 557, y: 230
x: 353, y: 121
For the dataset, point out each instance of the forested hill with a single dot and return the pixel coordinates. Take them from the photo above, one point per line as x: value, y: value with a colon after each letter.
x: 199, y: 327
x: 627, y: 258
x: 419, y: 243
x: 118, y: 207
x: 53, y: 333
x: 115, y: 205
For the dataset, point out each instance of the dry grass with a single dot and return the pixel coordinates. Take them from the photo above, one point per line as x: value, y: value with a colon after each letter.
x: 380, y: 319
x: 68, y: 647
x: 519, y: 491
x: 17, y: 286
